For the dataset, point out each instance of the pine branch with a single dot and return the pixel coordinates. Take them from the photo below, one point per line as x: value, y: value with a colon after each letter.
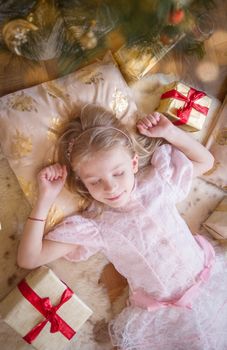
x: 10, y: 9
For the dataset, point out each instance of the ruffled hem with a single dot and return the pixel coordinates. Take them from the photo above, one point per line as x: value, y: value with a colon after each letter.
x: 204, y: 327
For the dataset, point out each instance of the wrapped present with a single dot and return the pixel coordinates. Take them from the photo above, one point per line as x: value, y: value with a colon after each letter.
x: 216, y: 224
x: 217, y: 145
x: 137, y: 60
x: 185, y: 106
x: 44, y: 311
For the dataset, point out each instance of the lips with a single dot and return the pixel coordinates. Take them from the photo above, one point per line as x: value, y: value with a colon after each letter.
x: 115, y: 197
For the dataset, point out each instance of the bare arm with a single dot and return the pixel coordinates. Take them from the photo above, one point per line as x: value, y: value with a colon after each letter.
x: 157, y: 125
x: 33, y: 251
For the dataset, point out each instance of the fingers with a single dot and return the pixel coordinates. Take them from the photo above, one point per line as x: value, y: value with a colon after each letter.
x: 149, y: 121
x: 143, y: 131
x: 64, y: 172
x: 53, y: 172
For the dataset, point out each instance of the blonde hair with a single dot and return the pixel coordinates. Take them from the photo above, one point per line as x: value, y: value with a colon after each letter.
x: 97, y: 129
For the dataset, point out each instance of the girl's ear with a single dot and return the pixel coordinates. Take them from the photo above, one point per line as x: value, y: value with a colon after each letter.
x: 135, y: 163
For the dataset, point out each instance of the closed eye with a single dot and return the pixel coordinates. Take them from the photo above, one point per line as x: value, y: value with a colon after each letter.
x: 120, y: 173
x: 95, y: 182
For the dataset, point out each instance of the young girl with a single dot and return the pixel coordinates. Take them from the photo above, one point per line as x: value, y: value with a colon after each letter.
x: 177, y: 289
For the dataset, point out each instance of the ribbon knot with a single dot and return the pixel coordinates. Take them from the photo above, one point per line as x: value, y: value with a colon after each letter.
x: 45, y: 307
x: 49, y: 311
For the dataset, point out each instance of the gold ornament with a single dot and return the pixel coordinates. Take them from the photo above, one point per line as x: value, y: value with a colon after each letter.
x: 30, y: 17
x: 88, y: 40
x: 76, y: 31
x: 15, y: 34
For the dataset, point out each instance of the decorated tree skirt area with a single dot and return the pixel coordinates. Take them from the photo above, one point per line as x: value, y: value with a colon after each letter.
x: 83, y: 278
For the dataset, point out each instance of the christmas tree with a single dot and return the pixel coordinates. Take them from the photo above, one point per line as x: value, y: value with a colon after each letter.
x: 75, y: 31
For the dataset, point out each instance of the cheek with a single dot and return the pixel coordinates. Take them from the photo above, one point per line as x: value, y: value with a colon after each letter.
x: 132, y: 172
x: 94, y: 192
x: 129, y: 180
x: 132, y: 180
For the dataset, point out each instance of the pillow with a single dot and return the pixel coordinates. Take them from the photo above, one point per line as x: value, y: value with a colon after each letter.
x: 217, y: 144
x: 30, y: 121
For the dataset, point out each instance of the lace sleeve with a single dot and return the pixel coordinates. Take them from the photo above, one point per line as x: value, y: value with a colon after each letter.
x: 80, y: 231
x: 175, y: 169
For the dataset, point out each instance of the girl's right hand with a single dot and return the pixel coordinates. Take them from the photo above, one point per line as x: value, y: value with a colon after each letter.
x: 155, y: 125
x: 51, y: 180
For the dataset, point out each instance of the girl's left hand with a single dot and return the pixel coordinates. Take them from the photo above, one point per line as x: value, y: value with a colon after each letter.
x: 51, y: 180
x: 154, y: 125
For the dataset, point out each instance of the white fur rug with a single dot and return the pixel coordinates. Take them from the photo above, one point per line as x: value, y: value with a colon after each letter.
x: 83, y: 277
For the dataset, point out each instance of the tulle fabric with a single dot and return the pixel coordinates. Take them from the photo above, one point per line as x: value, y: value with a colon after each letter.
x: 204, y: 327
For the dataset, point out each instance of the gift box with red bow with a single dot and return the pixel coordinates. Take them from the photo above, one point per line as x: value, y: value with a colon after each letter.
x: 44, y: 311
x: 216, y: 223
x: 185, y: 106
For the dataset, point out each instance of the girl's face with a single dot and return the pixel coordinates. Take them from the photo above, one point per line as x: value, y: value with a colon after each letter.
x: 109, y: 176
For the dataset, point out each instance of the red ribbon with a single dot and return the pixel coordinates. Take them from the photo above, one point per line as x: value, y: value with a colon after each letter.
x: 44, y: 306
x: 184, y: 112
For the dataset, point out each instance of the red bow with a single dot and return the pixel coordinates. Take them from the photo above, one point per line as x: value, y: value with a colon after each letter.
x: 44, y: 306
x: 184, y: 112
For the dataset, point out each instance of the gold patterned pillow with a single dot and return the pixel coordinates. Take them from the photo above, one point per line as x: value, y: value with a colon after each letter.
x: 30, y: 121
x: 217, y: 144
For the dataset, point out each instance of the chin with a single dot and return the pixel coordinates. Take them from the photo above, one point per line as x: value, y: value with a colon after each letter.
x: 118, y: 204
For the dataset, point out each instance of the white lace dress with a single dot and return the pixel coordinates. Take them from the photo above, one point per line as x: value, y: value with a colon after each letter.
x: 178, y: 289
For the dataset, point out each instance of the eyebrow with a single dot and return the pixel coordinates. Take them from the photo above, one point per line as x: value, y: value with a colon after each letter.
x: 92, y: 176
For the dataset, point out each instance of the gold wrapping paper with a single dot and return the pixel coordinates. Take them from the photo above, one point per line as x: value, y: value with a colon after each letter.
x: 217, y: 145
x: 22, y: 316
x: 216, y: 224
x: 136, y: 61
x: 169, y: 107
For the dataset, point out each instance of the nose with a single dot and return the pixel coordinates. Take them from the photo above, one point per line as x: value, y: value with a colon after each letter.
x: 110, y: 186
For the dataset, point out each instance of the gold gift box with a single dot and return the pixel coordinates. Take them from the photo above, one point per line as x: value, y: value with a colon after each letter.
x: 22, y: 316
x: 170, y: 106
x: 216, y: 224
x: 136, y: 61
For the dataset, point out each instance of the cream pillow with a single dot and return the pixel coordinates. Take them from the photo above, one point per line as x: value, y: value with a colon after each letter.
x: 217, y: 144
x: 30, y: 121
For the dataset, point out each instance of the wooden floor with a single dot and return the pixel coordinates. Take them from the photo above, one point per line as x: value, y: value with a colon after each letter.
x: 209, y: 74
